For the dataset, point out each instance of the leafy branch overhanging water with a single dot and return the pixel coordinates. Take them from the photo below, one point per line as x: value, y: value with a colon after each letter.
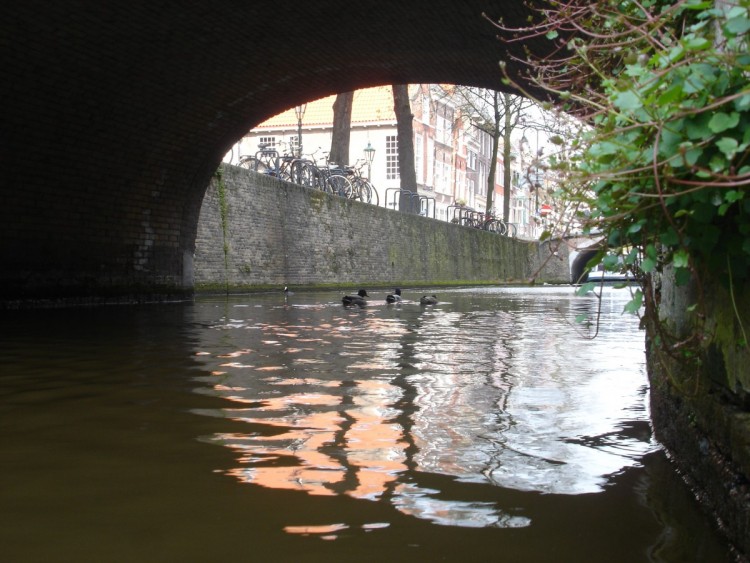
x: 662, y: 171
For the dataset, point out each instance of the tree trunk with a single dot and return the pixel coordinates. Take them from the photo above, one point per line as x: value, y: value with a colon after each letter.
x: 493, y: 162
x: 405, y: 131
x: 342, y: 123
x: 507, y: 173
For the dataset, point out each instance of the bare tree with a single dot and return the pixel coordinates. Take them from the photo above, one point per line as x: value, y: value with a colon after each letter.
x: 342, y: 122
x: 497, y: 114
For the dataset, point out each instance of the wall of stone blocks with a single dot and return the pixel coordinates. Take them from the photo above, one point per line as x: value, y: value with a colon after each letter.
x: 282, y: 234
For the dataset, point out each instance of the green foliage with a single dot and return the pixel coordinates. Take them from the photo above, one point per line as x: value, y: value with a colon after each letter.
x: 665, y: 166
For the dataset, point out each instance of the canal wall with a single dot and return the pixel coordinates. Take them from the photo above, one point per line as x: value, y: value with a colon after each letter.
x: 256, y: 232
x: 700, y: 395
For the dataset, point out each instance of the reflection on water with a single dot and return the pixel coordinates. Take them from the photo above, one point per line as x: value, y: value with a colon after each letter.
x: 259, y: 424
x: 487, y: 387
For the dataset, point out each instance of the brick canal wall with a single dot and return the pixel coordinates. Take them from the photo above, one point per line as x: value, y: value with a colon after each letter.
x: 255, y: 232
x: 701, y: 409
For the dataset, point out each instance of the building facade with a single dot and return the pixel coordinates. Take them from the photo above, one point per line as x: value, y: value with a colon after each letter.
x: 452, y: 157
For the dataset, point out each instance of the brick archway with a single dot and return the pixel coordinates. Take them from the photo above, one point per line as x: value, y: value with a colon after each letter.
x: 116, y: 115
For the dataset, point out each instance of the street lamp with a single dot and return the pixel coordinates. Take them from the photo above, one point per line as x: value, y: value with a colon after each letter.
x: 536, y: 183
x: 299, y: 111
x: 369, y: 156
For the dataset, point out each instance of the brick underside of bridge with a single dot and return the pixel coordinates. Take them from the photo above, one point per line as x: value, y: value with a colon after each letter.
x: 115, y: 116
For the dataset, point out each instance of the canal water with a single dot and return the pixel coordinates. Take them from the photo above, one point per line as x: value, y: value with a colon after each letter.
x: 489, y: 427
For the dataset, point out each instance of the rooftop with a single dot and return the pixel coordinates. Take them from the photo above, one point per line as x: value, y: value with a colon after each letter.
x: 371, y: 105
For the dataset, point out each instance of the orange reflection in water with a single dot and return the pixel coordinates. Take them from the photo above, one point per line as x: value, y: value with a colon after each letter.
x: 320, y: 443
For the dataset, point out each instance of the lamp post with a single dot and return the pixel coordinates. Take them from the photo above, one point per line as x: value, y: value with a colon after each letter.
x: 369, y: 156
x: 536, y: 183
x: 299, y: 111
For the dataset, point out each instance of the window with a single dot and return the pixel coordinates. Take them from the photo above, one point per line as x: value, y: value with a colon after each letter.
x: 443, y: 130
x: 418, y: 158
x: 270, y: 142
x: 471, y: 160
x: 482, y: 179
x: 425, y: 110
x: 391, y: 157
x: 430, y: 180
x: 445, y: 180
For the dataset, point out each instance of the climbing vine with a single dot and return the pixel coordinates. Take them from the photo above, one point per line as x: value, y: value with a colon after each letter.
x: 661, y: 167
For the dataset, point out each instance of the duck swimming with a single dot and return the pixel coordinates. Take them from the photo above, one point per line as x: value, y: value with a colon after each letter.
x: 359, y: 299
x: 394, y: 297
x: 428, y: 300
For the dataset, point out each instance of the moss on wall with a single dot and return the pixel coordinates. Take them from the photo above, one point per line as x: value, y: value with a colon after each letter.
x: 699, y: 403
x: 284, y: 234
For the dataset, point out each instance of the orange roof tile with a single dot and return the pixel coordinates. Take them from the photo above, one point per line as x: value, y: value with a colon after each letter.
x: 369, y: 105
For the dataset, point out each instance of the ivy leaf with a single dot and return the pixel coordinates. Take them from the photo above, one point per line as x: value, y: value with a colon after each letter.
x: 681, y: 276
x: 585, y: 288
x: 628, y: 100
x: 737, y: 23
x: 681, y: 259
x: 611, y: 262
x: 733, y: 195
x: 721, y: 121
x: 670, y: 237
x: 635, y: 303
x: 580, y: 318
x: 742, y: 103
x: 728, y: 146
x: 670, y: 95
x: 697, y: 43
x: 552, y: 34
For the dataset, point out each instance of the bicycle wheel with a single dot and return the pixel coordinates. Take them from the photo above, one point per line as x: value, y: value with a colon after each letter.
x: 263, y: 167
x: 340, y: 186
x: 295, y: 171
x: 247, y: 161
x: 306, y: 175
x: 374, y: 197
x: 285, y: 168
x: 359, y: 190
x: 366, y: 191
x: 499, y: 227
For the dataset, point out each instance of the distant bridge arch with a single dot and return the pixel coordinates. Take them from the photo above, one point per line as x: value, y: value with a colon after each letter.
x: 582, y: 249
x: 116, y: 115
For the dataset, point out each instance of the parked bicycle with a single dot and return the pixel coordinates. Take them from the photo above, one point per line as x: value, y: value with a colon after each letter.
x: 343, y: 181
x: 267, y: 160
x: 362, y: 189
x: 484, y: 221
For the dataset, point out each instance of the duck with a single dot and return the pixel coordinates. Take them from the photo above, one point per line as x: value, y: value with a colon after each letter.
x: 287, y: 292
x: 394, y: 297
x: 359, y: 299
x: 428, y: 300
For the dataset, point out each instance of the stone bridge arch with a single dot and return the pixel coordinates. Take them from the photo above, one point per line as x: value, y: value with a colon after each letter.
x: 116, y: 115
